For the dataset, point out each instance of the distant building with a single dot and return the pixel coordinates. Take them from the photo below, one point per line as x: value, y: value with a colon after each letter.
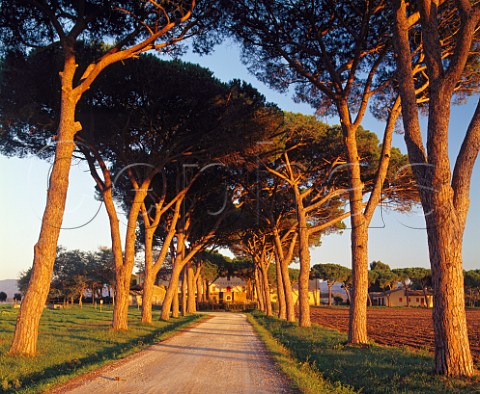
x: 233, y: 290
x: 228, y: 290
x: 403, y: 297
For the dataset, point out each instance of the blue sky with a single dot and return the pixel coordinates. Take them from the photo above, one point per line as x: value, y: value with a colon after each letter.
x: 396, y: 239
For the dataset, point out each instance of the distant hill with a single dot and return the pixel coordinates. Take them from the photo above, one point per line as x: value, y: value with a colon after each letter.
x: 9, y: 286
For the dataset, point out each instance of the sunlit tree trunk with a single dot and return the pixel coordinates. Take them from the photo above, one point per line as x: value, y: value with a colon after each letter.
x: 357, y: 330
x: 172, y: 293
x: 200, y: 291
x: 153, y: 267
x: 304, y: 255
x: 33, y: 303
x: 445, y: 198
x: 207, y: 290
x: 124, y: 266
x: 259, y: 290
x: 184, y: 291
x: 191, y: 305
x: 284, y: 263
x: 120, y: 311
x: 445, y: 236
x: 147, y: 296
x: 175, y: 303
x: 266, y: 288
x: 149, y: 280
x: 282, y: 309
x: 358, y: 308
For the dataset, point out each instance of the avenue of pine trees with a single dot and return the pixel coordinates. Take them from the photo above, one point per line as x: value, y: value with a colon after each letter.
x: 193, y: 162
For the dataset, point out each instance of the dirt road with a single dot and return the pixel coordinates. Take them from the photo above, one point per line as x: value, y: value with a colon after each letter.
x: 222, y: 354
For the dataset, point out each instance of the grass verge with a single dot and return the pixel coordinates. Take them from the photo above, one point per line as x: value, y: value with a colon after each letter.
x: 304, y: 377
x: 372, y: 369
x: 72, y: 342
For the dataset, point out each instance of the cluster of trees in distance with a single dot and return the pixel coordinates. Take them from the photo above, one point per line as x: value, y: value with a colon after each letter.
x: 195, y: 163
x: 77, y: 273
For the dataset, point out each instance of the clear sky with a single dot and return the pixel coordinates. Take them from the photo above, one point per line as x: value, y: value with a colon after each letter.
x: 396, y: 239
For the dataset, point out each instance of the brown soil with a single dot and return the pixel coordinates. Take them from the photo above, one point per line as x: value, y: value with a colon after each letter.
x: 398, y: 326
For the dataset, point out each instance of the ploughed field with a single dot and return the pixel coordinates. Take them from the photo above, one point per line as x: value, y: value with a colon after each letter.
x: 398, y: 326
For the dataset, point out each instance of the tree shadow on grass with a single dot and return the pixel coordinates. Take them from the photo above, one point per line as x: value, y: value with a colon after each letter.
x: 116, y: 351
x: 372, y: 369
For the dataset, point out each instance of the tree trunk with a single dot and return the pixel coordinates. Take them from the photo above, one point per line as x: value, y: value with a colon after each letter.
x: 184, y: 291
x: 357, y: 329
x: 175, y: 303
x: 149, y: 279
x: 147, y: 296
x: 94, y: 301
x: 284, y: 263
x: 120, y: 312
x: 282, y: 310
x: 266, y: 289
x: 452, y: 348
x: 28, y: 320
x: 358, y: 308
x: 172, y: 293
x: 152, y: 268
x: 329, y: 284
x: 347, y: 291
x: 304, y: 254
x: 424, y: 288
x: 207, y: 290
x: 445, y: 199
x: 258, y: 287
x: 287, y: 284
x: 370, y: 303
x: 191, y: 305
x: 200, y: 292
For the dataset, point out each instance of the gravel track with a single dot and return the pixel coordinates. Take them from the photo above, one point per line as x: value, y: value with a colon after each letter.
x: 222, y: 354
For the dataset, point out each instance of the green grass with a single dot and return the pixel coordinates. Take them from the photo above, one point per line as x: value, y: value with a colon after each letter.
x: 372, y: 369
x: 303, y: 377
x: 72, y: 342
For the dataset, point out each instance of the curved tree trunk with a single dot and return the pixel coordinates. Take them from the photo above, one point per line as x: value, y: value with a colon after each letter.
x: 152, y: 268
x: 28, y: 320
x: 124, y: 266
x: 172, y: 293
